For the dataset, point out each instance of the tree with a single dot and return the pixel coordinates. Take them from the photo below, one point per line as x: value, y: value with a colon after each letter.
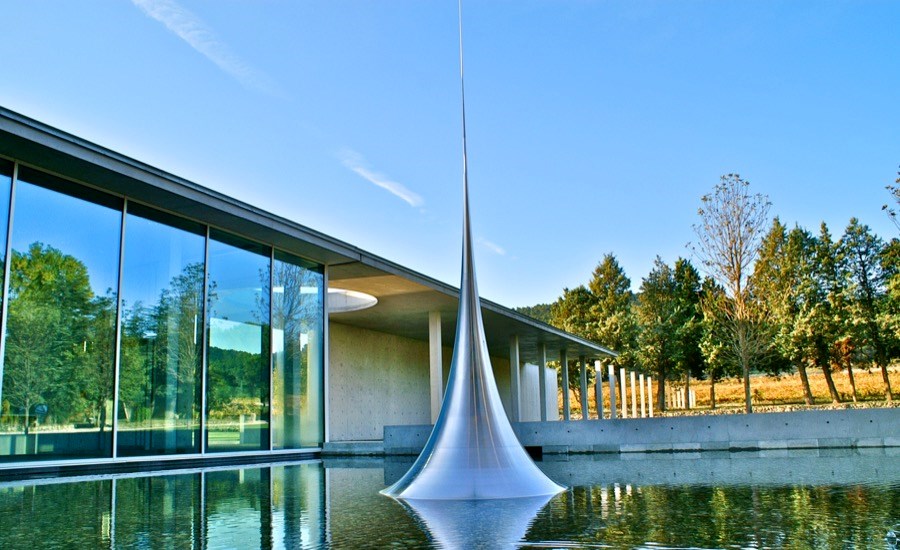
x: 49, y: 326
x: 895, y: 194
x: 601, y: 312
x: 611, y: 311
x: 541, y: 312
x: 863, y: 253
x: 573, y: 313
x: 689, y: 323
x: 670, y: 324
x: 657, y: 318
x: 732, y: 220
x: 718, y: 361
x: 789, y: 276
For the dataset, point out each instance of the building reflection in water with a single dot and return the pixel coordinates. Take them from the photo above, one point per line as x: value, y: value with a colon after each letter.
x: 269, y: 507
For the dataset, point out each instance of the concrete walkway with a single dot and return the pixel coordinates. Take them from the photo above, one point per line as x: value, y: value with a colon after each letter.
x: 851, y: 428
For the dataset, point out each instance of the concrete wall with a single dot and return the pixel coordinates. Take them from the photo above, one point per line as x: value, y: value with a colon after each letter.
x: 377, y: 379
x: 857, y: 428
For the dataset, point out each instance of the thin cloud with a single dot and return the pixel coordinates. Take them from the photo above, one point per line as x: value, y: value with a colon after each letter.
x: 493, y: 247
x: 355, y: 162
x: 199, y: 36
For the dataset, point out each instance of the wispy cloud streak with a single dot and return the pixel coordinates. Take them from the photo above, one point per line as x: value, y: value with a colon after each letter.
x: 493, y: 247
x: 199, y: 36
x: 356, y: 163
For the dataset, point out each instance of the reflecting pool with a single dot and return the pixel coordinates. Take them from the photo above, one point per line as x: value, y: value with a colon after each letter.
x: 815, y: 499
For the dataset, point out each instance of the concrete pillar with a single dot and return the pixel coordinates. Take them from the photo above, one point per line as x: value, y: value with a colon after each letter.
x: 624, y: 394
x: 612, y: 392
x: 643, y: 401
x: 633, y: 397
x: 542, y: 380
x: 515, y: 408
x: 584, y: 389
x: 436, y: 363
x: 650, y: 394
x: 598, y: 388
x: 564, y: 365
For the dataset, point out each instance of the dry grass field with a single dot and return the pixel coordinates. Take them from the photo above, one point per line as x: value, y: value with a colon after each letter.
x: 770, y: 393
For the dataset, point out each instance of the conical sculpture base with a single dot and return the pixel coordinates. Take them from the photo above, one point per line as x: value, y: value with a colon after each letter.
x: 472, y: 452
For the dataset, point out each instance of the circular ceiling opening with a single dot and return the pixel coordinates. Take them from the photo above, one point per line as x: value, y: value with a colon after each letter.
x: 343, y: 301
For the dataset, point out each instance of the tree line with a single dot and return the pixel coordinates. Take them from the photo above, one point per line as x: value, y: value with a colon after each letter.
x: 763, y: 298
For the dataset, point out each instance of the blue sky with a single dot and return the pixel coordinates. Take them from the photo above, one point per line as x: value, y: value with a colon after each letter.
x: 594, y: 126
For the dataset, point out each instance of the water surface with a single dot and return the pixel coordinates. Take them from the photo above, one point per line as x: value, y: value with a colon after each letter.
x: 817, y: 499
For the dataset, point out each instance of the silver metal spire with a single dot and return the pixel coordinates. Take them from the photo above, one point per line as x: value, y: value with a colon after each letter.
x: 472, y: 452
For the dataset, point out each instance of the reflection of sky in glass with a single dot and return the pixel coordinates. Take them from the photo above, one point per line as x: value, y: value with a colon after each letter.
x: 155, y: 254
x: 82, y: 229
x: 224, y: 334
x: 236, y: 279
x: 5, y: 182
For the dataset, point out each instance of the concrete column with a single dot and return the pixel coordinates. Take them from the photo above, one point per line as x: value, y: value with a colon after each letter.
x: 584, y: 389
x: 564, y: 365
x: 633, y: 397
x: 436, y: 363
x: 624, y: 384
x: 598, y: 388
x: 612, y: 392
x: 643, y: 401
x: 542, y: 380
x: 515, y: 408
x: 650, y: 394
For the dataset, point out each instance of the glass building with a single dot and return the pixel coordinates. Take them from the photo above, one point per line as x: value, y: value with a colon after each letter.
x: 128, y: 331
x: 145, y: 318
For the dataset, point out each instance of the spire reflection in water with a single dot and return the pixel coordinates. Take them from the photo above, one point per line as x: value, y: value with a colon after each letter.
x: 499, y: 523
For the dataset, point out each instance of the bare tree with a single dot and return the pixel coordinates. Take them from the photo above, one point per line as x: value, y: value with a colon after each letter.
x: 729, y: 235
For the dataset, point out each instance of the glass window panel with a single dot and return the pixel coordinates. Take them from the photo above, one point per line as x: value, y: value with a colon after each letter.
x: 238, y: 348
x: 58, y: 371
x: 297, y: 336
x: 162, y: 334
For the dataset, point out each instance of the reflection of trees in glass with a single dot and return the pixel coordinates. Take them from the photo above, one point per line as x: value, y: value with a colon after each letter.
x: 162, y: 350
x: 59, y: 340
x: 297, y: 313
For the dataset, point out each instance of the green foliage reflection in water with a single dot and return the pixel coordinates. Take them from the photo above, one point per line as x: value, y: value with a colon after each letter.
x: 728, y: 516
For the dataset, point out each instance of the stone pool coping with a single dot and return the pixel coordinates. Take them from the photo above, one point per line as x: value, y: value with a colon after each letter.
x: 852, y: 428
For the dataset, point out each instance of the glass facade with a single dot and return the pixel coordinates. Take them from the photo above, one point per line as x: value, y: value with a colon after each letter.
x: 296, y: 352
x: 238, y: 351
x: 60, y: 321
x: 162, y: 334
x: 128, y: 331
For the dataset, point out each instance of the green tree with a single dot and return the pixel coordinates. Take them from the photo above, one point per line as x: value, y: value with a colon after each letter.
x: 689, y: 326
x: 611, y: 311
x: 573, y: 312
x: 732, y: 221
x: 789, y: 277
x: 862, y: 250
x: 669, y: 323
x: 541, y: 312
x: 719, y: 363
x: 49, y: 326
